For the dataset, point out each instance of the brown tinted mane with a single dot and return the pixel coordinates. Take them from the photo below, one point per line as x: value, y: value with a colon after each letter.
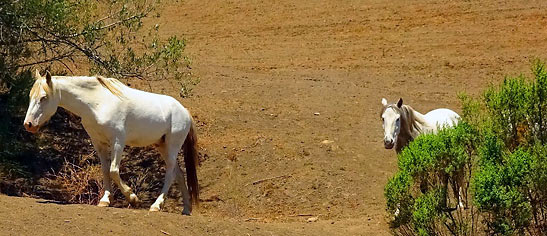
x: 411, y: 122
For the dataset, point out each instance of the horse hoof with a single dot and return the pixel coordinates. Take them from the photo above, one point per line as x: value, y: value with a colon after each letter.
x: 103, y: 204
x: 185, y: 212
x: 154, y: 209
x: 134, y: 200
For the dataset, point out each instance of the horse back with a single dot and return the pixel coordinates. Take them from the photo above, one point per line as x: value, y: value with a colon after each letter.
x: 442, y: 117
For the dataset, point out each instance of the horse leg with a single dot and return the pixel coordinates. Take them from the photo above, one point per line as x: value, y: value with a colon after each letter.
x: 184, y: 189
x: 117, y: 151
x: 102, y: 152
x: 458, y: 190
x: 169, y: 153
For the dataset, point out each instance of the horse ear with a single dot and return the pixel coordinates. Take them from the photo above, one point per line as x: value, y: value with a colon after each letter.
x: 37, y: 74
x: 384, y: 102
x: 400, y: 103
x: 48, y: 78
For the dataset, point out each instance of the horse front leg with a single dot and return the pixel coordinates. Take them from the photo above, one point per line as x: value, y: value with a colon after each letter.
x: 102, y: 152
x: 117, y: 151
x: 458, y: 190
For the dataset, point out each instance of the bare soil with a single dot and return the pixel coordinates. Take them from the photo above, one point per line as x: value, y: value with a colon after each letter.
x: 280, y: 77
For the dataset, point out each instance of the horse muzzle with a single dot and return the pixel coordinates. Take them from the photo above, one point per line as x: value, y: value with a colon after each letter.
x: 31, y: 128
x: 389, y: 144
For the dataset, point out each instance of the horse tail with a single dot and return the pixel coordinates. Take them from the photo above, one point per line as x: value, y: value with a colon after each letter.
x: 191, y: 161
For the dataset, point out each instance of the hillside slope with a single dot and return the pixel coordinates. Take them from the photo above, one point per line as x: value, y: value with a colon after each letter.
x: 280, y: 77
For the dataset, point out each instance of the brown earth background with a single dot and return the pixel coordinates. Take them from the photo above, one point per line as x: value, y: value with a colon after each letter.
x: 280, y: 77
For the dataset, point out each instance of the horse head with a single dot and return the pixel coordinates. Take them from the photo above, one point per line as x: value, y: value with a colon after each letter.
x: 391, y: 122
x: 43, y: 102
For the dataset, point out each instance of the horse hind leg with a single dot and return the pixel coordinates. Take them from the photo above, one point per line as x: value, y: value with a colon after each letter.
x: 459, y: 191
x: 184, y: 190
x: 169, y: 151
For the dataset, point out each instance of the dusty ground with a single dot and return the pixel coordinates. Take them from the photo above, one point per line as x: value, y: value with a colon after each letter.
x: 266, y: 68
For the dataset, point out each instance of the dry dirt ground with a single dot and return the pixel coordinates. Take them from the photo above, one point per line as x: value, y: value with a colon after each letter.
x: 280, y: 77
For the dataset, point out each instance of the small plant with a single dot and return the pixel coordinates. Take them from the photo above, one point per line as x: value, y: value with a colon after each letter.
x: 511, y: 179
x: 80, y: 183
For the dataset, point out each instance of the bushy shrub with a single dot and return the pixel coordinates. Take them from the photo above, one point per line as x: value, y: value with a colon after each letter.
x: 433, y: 172
x: 510, y: 183
x: 499, y: 150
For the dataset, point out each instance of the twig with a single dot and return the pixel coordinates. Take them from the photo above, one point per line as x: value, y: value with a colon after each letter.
x: 266, y: 179
x: 301, y: 215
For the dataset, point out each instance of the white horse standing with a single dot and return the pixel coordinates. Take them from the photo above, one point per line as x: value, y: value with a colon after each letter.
x: 402, y: 123
x: 115, y: 115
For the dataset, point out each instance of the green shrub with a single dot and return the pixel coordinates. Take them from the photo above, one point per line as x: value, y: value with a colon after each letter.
x: 499, y: 150
x: 510, y: 185
x: 432, y: 170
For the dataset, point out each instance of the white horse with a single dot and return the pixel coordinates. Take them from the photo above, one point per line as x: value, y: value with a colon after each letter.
x: 402, y: 124
x: 115, y: 115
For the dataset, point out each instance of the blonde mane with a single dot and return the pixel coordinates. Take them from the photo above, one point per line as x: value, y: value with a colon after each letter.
x: 40, y: 83
x: 111, y: 84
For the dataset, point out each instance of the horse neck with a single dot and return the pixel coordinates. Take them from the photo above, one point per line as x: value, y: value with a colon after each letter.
x: 413, y: 123
x: 80, y: 96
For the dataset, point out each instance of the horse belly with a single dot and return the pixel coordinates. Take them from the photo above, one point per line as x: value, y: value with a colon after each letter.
x: 145, y: 134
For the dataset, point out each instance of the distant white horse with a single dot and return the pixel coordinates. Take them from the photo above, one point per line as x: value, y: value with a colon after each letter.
x: 402, y: 124
x: 115, y: 115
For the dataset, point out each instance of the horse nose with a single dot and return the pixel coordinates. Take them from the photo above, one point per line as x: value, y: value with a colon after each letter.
x: 28, y: 126
x: 388, y: 143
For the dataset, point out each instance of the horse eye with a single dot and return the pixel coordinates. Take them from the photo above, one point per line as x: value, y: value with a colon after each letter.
x: 42, y: 99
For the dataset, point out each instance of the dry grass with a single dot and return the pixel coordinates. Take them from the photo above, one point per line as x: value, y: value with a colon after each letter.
x: 80, y: 182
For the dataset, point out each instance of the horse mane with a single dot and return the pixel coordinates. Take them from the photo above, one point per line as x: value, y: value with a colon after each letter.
x: 410, y: 123
x: 40, y: 83
x: 113, y: 85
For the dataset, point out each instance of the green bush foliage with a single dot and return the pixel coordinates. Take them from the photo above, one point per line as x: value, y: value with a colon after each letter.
x: 497, y: 154
x: 431, y: 173
x: 510, y: 186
